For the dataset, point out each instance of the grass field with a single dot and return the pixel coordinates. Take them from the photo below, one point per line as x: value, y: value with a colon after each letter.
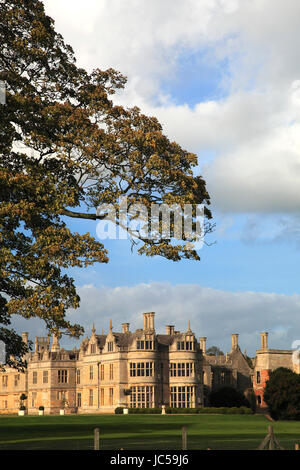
x: 142, y: 432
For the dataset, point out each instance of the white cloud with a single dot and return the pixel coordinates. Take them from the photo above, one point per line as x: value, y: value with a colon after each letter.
x: 213, y: 313
x: 245, y: 313
x: 253, y: 130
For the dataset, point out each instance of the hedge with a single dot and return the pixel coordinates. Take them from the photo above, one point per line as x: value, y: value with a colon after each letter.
x: 204, y: 410
x: 210, y: 410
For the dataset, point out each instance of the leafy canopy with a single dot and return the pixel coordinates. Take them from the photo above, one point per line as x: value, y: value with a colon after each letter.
x: 65, y: 150
x: 214, y: 351
x: 282, y: 394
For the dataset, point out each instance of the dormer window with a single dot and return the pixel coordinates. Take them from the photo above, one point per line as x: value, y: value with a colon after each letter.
x: 110, y: 346
x: 141, y: 344
x: 93, y: 348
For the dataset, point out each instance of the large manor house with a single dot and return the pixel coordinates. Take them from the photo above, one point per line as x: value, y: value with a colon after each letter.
x: 133, y: 369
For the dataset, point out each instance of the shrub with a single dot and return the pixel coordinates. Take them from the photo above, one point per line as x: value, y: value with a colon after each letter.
x: 282, y: 394
x: 41, y: 408
x: 154, y: 411
x: 203, y: 410
x: 119, y: 410
x: 251, y: 397
x: 224, y: 410
x: 22, y: 408
x: 228, y: 397
x: 135, y: 411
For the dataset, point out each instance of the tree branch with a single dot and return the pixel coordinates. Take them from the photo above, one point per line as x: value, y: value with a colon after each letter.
x: 82, y: 215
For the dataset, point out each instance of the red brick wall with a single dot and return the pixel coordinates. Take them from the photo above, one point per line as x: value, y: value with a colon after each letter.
x: 259, y: 387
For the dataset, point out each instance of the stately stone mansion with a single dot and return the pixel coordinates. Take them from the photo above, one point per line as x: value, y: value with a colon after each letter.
x: 132, y: 369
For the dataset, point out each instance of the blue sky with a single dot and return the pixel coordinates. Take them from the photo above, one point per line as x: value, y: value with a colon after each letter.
x: 223, y: 77
x: 228, y: 263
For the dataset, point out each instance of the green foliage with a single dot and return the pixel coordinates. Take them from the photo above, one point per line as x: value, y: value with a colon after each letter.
x: 228, y: 397
x: 282, y: 394
x: 170, y: 410
x: 119, y: 410
x: 65, y: 150
x: 178, y: 411
x: 209, y: 410
x: 23, y: 397
x: 251, y: 397
x: 225, y: 410
x: 214, y: 351
x: 151, y: 411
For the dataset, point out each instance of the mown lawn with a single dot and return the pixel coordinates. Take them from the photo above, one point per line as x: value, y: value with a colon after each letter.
x: 142, y: 432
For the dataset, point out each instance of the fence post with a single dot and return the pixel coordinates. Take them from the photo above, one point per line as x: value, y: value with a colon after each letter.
x: 270, y: 442
x: 271, y: 434
x: 184, y: 438
x: 96, y: 439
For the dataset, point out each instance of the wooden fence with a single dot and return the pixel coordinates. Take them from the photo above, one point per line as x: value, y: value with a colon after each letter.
x: 270, y: 442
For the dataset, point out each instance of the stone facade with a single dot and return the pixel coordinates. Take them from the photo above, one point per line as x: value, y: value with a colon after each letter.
x: 133, y: 369
x: 229, y: 370
x: 267, y: 360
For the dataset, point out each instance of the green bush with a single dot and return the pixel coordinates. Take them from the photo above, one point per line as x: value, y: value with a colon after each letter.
x: 224, y: 410
x: 181, y: 410
x: 203, y: 410
x: 135, y: 411
x: 251, y: 397
x: 282, y: 394
x: 228, y: 397
x: 119, y: 410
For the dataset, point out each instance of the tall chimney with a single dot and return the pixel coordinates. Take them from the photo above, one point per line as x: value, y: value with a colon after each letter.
x: 25, y: 337
x: 170, y: 329
x: 152, y: 315
x: 264, y: 340
x: 55, y: 344
x: 234, y: 339
x: 125, y: 327
x: 149, y: 321
x: 203, y: 344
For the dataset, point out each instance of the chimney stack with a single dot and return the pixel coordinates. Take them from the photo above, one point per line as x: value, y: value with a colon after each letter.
x: 235, y: 344
x: 149, y: 321
x: 170, y: 329
x: 125, y: 327
x: 25, y: 337
x: 203, y: 344
x: 55, y: 344
x: 264, y: 340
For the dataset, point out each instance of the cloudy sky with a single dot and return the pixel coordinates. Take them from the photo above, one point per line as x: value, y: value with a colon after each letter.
x: 223, y: 78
